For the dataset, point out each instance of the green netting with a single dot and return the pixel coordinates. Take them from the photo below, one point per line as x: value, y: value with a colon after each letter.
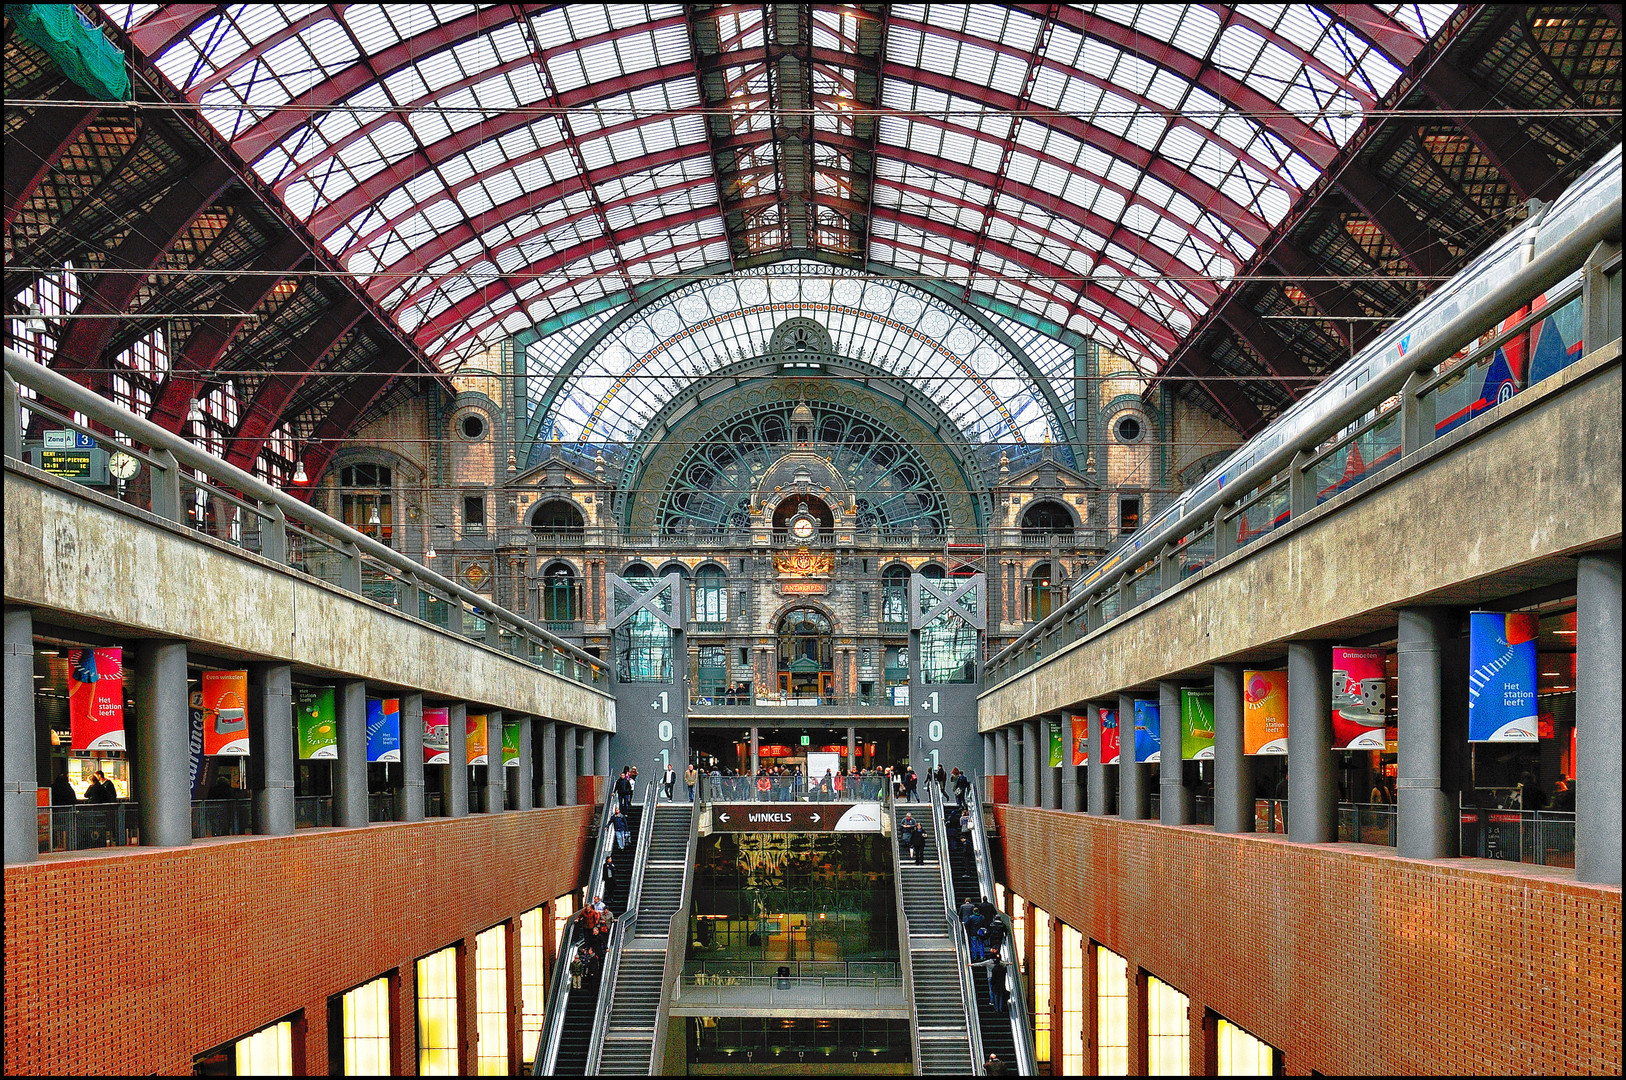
x: 78, y: 48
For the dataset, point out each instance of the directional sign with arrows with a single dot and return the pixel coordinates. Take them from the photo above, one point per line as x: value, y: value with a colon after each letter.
x: 795, y: 817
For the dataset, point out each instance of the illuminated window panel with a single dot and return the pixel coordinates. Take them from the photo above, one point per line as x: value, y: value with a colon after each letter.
x: 533, y: 984
x: 563, y: 908
x: 491, y: 1001
x: 1040, y: 969
x: 1168, y: 1030
x: 1240, y: 1054
x: 267, y: 1052
x: 1112, y: 1013
x: 437, y: 1013
x: 366, y: 1032
x: 1072, y: 1001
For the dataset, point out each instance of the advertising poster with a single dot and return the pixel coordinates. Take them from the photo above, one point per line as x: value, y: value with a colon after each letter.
x: 1197, y: 725
x: 96, y: 698
x: 1109, y: 736
x: 1056, y: 747
x: 510, y: 743
x: 1264, y: 712
x: 317, y: 721
x: 1081, y: 738
x: 1148, y: 732
x: 477, y: 739
x: 225, y: 712
x: 1502, y: 676
x: 194, y: 739
x: 383, y: 729
x: 1360, y: 696
x: 436, y: 740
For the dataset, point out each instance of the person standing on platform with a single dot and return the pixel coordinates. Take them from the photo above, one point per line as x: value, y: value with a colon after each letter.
x: 668, y: 781
x: 941, y: 778
x: 691, y: 775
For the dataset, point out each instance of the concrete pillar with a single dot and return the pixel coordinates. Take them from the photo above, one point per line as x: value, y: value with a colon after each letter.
x: 1016, y: 764
x: 1032, y: 764
x: 1312, y: 776
x: 1233, y: 770
x: 524, y: 790
x: 1427, y: 812
x: 455, y: 792
x: 272, y: 755
x: 601, y: 755
x: 409, y: 800
x: 549, y: 754
x: 496, y: 793
x: 1597, y: 718
x: 163, y: 751
x: 1095, y: 771
x: 567, y: 765
x: 852, y: 750
x: 1071, y: 795
x: 1002, y: 765
x: 755, y: 761
x: 350, y: 770
x: 1133, y: 801
x: 1174, y: 798
x: 987, y: 755
x: 21, y: 820
x: 1053, y: 776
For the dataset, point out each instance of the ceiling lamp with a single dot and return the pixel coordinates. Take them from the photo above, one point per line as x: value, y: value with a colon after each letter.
x: 299, y: 472
x: 34, y: 322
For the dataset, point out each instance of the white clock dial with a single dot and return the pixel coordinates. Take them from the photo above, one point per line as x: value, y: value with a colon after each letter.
x: 803, y: 528
x: 122, y: 465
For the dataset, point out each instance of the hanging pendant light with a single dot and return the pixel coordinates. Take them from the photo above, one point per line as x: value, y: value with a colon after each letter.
x: 34, y: 323
x: 372, y: 516
x: 299, y: 472
x: 429, y: 554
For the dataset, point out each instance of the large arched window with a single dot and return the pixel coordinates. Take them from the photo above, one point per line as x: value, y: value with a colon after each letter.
x: 710, y: 595
x: 806, y: 656
x: 1044, y: 519
x: 560, y: 595
x: 558, y: 521
x: 1041, y: 593
x: 365, y: 502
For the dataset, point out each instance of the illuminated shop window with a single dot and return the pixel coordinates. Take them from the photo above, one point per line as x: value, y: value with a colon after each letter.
x: 1041, y: 982
x: 437, y: 1013
x: 1112, y: 1019
x: 491, y: 1001
x: 1240, y: 1054
x: 1168, y: 1030
x: 267, y: 1052
x: 563, y: 908
x: 533, y: 983
x: 1072, y: 1001
x: 366, y: 1031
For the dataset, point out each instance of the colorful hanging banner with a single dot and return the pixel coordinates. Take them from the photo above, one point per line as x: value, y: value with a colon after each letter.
x: 383, y: 729
x: 436, y: 736
x: 318, y: 723
x: 1360, y: 697
x: 1081, y: 738
x: 1502, y: 676
x: 510, y: 744
x: 96, y: 698
x: 477, y: 739
x: 1264, y: 712
x: 1197, y: 725
x: 194, y: 732
x: 1148, y: 731
x: 1109, y: 737
x: 225, y: 712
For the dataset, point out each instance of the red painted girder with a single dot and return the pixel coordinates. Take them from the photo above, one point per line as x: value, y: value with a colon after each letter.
x: 1211, y: 198
x: 362, y: 394
x: 1395, y: 219
x: 194, y: 89
x: 372, y: 190
x: 264, y: 411
x: 1393, y: 39
x: 169, y: 24
x: 1267, y: 345
x: 1503, y: 140
x: 1244, y: 414
x: 208, y: 343
x: 35, y: 147
x: 143, y: 247
x: 1241, y: 14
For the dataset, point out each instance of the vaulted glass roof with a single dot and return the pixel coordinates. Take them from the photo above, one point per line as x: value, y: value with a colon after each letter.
x: 486, y: 168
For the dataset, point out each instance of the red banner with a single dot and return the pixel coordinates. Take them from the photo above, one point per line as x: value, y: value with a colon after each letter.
x: 1109, y: 736
x: 225, y: 716
x: 1081, y: 739
x: 1360, y: 697
x: 96, y: 698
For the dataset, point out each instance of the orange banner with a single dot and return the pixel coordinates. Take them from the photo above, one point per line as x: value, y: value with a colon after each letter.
x: 1264, y: 712
x: 477, y: 739
x: 1081, y: 738
x: 225, y: 716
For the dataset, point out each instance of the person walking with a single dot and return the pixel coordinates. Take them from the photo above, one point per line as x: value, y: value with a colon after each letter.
x: 999, y: 994
x: 668, y: 781
x: 942, y: 781
x: 691, y: 776
x: 623, y: 831
x: 918, y: 843
x: 962, y: 787
x: 995, y: 1067
x: 608, y: 873
x: 911, y: 786
x: 623, y: 790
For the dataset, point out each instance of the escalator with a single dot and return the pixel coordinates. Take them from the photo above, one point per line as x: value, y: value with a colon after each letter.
x: 934, y: 954
x: 1009, y: 1035
x: 997, y: 1036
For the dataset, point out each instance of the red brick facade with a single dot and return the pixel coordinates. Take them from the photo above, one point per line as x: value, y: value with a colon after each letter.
x: 1346, y: 958
x: 134, y: 960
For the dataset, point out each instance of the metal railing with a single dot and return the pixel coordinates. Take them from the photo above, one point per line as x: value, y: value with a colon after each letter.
x: 313, y: 811
x: 792, y: 991
x: 283, y: 528
x: 677, y: 949
x: 222, y: 817
x: 1543, y: 837
x: 1027, y: 1056
x: 787, y: 789
x: 82, y: 827
x: 905, y: 953
x: 1285, y: 473
x: 545, y: 1061
x: 623, y: 928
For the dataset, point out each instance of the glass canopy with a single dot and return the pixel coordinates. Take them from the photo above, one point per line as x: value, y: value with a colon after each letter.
x: 487, y: 168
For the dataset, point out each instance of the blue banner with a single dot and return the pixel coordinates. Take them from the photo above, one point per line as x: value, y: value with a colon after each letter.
x: 383, y: 729
x: 1502, y: 676
x: 1148, y: 731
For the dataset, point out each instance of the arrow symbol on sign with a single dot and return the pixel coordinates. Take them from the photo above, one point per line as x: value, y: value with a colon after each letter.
x: 815, y: 817
x: 722, y: 817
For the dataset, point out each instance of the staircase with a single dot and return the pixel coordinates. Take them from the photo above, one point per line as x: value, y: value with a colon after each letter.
x: 939, y: 1009
x: 633, y: 1027
x: 997, y: 1037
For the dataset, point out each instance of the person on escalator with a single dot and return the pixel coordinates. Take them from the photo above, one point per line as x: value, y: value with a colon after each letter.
x: 609, y: 872
x: 962, y: 787
x: 999, y: 993
x: 578, y: 968
x: 995, y: 1067
x: 996, y: 935
x: 623, y: 790
x: 965, y: 828
x: 623, y: 832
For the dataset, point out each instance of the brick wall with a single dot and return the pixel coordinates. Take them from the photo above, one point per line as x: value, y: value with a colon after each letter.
x: 134, y: 960
x: 1347, y: 959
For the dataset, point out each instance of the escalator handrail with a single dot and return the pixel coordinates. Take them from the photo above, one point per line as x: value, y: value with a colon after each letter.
x: 962, y: 952
x: 677, y: 948
x: 623, y: 928
x: 558, y: 987
x: 1027, y: 1055
x: 905, y: 960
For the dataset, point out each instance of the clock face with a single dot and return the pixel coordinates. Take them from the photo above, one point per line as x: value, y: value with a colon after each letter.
x: 802, y: 528
x: 122, y: 465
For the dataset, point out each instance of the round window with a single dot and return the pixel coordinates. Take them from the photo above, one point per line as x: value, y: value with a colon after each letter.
x: 473, y: 427
x: 1128, y: 429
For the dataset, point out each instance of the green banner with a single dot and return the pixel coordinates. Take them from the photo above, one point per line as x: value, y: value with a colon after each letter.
x: 510, y: 743
x: 1196, y: 725
x: 1057, y: 745
x: 317, y: 721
